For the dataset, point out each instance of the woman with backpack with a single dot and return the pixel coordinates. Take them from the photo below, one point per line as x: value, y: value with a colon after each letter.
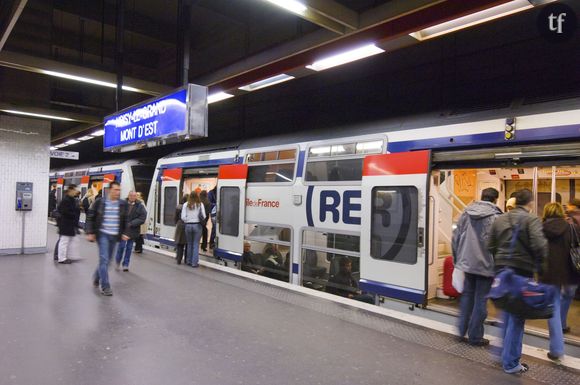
x: 557, y: 270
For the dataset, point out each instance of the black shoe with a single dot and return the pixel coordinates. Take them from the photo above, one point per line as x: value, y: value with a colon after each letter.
x: 212, y: 246
x: 204, y: 248
x: 139, y: 251
x: 461, y: 339
x: 566, y: 330
x: 96, y: 283
x: 107, y: 292
x: 481, y: 342
x: 125, y: 268
x: 66, y: 262
x: 553, y: 357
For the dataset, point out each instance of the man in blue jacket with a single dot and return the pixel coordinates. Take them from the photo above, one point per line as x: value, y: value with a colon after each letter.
x: 471, y: 255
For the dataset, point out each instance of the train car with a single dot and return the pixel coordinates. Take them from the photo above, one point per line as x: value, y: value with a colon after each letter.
x: 369, y: 209
x: 132, y: 174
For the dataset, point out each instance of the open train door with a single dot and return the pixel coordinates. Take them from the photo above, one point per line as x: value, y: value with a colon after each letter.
x: 231, y: 205
x: 393, y: 248
x: 170, y: 195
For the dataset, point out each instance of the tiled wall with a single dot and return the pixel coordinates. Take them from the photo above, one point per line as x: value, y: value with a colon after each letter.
x: 24, y: 157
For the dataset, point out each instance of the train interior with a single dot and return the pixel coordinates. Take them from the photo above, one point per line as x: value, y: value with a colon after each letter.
x: 453, y: 189
x: 198, y: 180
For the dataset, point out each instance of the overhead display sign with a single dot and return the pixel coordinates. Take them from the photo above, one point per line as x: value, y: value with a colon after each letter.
x: 64, y: 154
x: 177, y: 116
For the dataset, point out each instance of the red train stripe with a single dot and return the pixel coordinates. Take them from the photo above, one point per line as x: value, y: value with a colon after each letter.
x: 233, y: 171
x: 172, y: 174
x: 85, y: 179
x: 403, y: 163
x: 60, y: 181
x: 108, y: 178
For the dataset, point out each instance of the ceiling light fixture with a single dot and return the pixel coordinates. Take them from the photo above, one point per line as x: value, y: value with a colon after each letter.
x: 486, y: 15
x: 87, y: 137
x: 267, y: 82
x: 72, y: 141
x: 52, y: 148
x: 88, y: 80
x: 38, y: 115
x: 290, y: 5
x: 345, y: 57
x: 61, y: 145
x: 218, y: 96
x: 98, y: 133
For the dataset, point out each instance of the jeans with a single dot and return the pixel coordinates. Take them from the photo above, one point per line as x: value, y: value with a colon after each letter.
x: 512, y: 342
x: 106, y: 248
x: 473, y: 306
x: 125, y: 247
x: 192, y: 235
x: 213, y: 226
x: 568, y: 293
x: 555, y: 327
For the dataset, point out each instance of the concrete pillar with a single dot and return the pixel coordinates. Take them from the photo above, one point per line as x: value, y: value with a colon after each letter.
x: 24, y: 157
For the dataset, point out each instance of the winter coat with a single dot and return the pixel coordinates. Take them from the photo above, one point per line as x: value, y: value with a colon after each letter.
x: 558, y: 267
x: 470, y: 238
x: 179, y: 236
x: 95, y: 218
x: 51, y: 201
x: 531, y: 247
x: 207, y: 206
x: 70, y: 212
x: 212, y: 198
x: 575, y: 217
x: 136, y: 216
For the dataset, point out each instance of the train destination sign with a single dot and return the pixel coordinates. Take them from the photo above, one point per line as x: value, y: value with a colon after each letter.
x: 177, y: 116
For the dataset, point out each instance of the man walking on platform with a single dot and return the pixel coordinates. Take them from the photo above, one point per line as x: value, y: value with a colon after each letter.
x: 107, y: 224
x: 470, y: 255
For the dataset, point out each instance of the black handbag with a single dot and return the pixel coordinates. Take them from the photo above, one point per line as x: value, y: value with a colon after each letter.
x: 574, y: 248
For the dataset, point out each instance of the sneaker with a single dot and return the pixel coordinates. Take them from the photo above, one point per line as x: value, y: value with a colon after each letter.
x: 65, y: 262
x: 107, y: 291
x: 481, y: 342
x: 521, y: 368
x: 117, y: 266
x: 125, y: 268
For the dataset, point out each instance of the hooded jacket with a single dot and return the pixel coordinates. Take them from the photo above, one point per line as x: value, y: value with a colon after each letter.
x: 469, y: 243
x: 558, y: 269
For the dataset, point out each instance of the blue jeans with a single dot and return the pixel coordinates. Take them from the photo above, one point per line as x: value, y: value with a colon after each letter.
x: 512, y: 342
x: 106, y: 248
x: 473, y: 306
x: 125, y: 247
x: 192, y: 235
x: 568, y: 293
x: 555, y: 327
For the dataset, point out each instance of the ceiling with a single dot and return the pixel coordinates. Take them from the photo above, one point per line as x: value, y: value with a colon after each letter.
x: 223, y: 44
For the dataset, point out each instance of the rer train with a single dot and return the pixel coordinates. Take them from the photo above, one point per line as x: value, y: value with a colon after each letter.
x: 374, y: 203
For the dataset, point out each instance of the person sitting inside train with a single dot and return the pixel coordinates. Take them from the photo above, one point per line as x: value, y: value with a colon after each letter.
x: 274, y: 263
x: 345, y: 285
x: 250, y: 261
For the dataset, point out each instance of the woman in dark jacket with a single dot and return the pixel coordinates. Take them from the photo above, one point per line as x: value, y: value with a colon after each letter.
x: 136, y: 216
x: 207, y: 205
x: 68, y: 224
x: 179, y: 237
x: 557, y: 270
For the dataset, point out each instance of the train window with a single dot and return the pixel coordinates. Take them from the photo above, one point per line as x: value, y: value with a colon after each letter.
x: 319, y: 152
x: 229, y: 211
x: 394, y: 224
x: 268, y: 173
x: 271, y: 156
x: 374, y: 147
x: 267, y: 251
x: 334, y: 170
x: 331, y: 262
x: 142, y: 176
x: 169, y: 205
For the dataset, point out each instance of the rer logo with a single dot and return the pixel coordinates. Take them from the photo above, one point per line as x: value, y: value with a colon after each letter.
x: 333, y: 206
x: 557, y: 22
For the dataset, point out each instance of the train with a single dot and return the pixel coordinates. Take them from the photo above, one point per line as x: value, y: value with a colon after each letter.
x: 378, y: 199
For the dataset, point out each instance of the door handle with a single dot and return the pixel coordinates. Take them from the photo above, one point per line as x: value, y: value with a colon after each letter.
x: 420, y: 237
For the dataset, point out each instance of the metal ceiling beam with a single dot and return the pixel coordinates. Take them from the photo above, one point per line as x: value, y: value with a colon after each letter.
x: 13, y: 13
x: 41, y: 65
x: 73, y: 116
x: 334, y: 11
x: 84, y: 129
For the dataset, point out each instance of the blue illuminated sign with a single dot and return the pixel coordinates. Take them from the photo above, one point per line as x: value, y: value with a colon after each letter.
x: 154, y: 119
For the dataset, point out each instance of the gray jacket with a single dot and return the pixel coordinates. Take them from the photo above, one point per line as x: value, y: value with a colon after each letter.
x: 530, y: 248
x: 470, y: 238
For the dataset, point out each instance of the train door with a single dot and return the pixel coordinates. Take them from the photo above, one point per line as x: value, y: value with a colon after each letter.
x: 59, y: 189
x: 231, y: 204
x: 84, y: 186
x: 170, y: 195
x: 394, y: 216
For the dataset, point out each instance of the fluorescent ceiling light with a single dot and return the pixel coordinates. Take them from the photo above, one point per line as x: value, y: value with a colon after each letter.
x: 38, y: 115
x: 98, y: 133
x: 87, y: 137
x: 492, y: 13
x: 290, y: 5
x: 52, y: 148
x: 72, y: 141
x: 267, y: 82
x: 218, y: 96
x: 61, y: 145
x: 345, y: 57
x: 87, y: 80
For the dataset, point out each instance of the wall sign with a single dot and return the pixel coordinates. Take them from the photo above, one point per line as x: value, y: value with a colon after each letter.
x: 177, y: 116
x: 64, y: 154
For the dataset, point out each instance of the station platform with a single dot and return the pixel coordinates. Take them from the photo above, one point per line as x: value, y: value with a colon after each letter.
x: 170, y: 324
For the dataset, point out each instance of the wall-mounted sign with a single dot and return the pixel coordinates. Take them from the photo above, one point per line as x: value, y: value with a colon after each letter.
x: 73, y: 155
x: 178, y: 116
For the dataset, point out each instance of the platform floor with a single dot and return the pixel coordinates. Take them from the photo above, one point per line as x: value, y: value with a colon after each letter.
x: 169, y: 324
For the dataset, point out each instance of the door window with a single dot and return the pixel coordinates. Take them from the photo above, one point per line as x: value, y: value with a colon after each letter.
x: 229, y: 206
x: 169, y: 205
x: 394, y: 224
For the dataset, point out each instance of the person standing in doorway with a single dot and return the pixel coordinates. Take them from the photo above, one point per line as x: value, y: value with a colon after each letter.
x: 143, y: 229
x: 68, y: 226
x: 569, y: 289
x: 179, y: 236
x: 212, y: 197
x: 470, y: 255
x: 107, y: 224
x: 51, y: 200
x: 193, y: 214
x: 207, y: 206
x: 524, y: 254
x: 136, y: 216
